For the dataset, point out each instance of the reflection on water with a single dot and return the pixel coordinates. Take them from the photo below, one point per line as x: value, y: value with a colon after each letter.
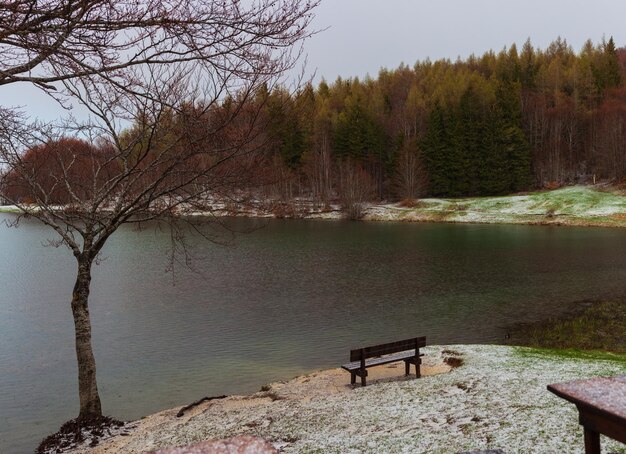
x: 287, y: 298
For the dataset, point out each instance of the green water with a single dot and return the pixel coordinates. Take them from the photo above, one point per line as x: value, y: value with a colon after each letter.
x: 286, y: 298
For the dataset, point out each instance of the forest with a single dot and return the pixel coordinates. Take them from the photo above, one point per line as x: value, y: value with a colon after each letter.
x: 500, y: 123
x: 492, y: 124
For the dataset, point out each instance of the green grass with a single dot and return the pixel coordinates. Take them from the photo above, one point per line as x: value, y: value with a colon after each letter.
x: 591, y: 326
x: 573, y: 200
x: 577, y: 199
x: 571, y: 353
x: 573, y: 205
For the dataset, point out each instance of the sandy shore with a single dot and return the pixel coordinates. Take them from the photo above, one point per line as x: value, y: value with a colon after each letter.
x: 496, y: 399
x: 302, y: 389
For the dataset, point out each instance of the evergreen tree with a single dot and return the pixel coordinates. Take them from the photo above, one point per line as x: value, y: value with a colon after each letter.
x: 436, y: 146
x: 517, y: 149
x: 466, y: 153
x: 491, y: 178
x: 528, y: 65
x: 507, y: 163
x: 285, y: 129
x: 357, y: 136
x: 613, y: 75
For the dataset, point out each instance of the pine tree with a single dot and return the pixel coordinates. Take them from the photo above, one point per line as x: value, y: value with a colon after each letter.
x: 528, y: 65
x: 466, y: 153
x: 285, y: 129
x: 517, y: 150
x: 436, y: 146
x: 357, y: 136
x: 606, y: 69
x: 613, y: 75
x: 507, y: 166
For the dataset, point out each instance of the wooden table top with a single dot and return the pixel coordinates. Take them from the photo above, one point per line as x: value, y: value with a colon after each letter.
x: 604, y: 395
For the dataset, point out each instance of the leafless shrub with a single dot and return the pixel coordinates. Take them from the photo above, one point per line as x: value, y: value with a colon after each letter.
x: 356, y: 188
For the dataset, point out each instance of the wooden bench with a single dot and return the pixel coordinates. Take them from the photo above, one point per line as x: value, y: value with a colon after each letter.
x: 407, y: 350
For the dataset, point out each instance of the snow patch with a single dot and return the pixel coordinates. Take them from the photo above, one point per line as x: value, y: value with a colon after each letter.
x: 496, y: 400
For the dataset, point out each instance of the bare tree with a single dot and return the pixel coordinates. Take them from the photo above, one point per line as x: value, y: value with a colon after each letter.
x: 168, y: 87
x: 409, y: 172
x: 318, y: 161
x: 356, y: 187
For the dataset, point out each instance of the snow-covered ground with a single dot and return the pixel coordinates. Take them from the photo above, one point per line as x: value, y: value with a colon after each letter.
x: 496, y: 399
x: 573, y: 205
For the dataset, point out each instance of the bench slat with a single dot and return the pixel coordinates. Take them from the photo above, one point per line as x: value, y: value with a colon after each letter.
x: 384, y: 349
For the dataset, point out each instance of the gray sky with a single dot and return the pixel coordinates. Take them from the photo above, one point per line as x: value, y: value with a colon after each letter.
x: 365, y: 35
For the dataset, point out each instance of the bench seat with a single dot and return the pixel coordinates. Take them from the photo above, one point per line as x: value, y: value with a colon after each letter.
x: 386, y: 359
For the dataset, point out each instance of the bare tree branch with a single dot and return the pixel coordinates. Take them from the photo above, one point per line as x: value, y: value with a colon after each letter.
x: 173, y: 92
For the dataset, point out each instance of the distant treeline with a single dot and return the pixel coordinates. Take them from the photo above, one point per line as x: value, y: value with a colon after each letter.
x: 492, y: 124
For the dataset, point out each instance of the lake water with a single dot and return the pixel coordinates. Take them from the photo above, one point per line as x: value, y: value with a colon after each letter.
x: 290, y: 297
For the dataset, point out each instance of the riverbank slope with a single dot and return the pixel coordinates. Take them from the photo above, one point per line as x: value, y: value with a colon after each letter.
x: 495, y: 399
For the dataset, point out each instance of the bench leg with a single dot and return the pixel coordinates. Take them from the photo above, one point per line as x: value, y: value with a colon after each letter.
x: 407, y: 368
x: 417, y: 368
x: 592, y: 442
x: 352, y: 378
x: 363, y: 379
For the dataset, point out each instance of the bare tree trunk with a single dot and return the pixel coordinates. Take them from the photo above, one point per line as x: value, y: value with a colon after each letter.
x: 87, y: 385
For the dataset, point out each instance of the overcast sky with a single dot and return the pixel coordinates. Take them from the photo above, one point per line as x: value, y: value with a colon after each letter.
x: 364, y: 35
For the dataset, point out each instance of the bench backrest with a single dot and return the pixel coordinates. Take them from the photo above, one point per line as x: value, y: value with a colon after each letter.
x: 386, y: 349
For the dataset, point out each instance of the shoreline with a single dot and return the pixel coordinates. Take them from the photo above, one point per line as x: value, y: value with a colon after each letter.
x: 573, y: 206
x: 495, y: 399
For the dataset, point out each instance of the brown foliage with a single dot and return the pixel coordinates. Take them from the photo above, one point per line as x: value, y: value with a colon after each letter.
x: 551, y: 185
x: 408, y: 203
x: 61, y: 172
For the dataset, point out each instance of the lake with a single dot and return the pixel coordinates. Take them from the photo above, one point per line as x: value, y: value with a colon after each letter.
x: 286, y: 297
